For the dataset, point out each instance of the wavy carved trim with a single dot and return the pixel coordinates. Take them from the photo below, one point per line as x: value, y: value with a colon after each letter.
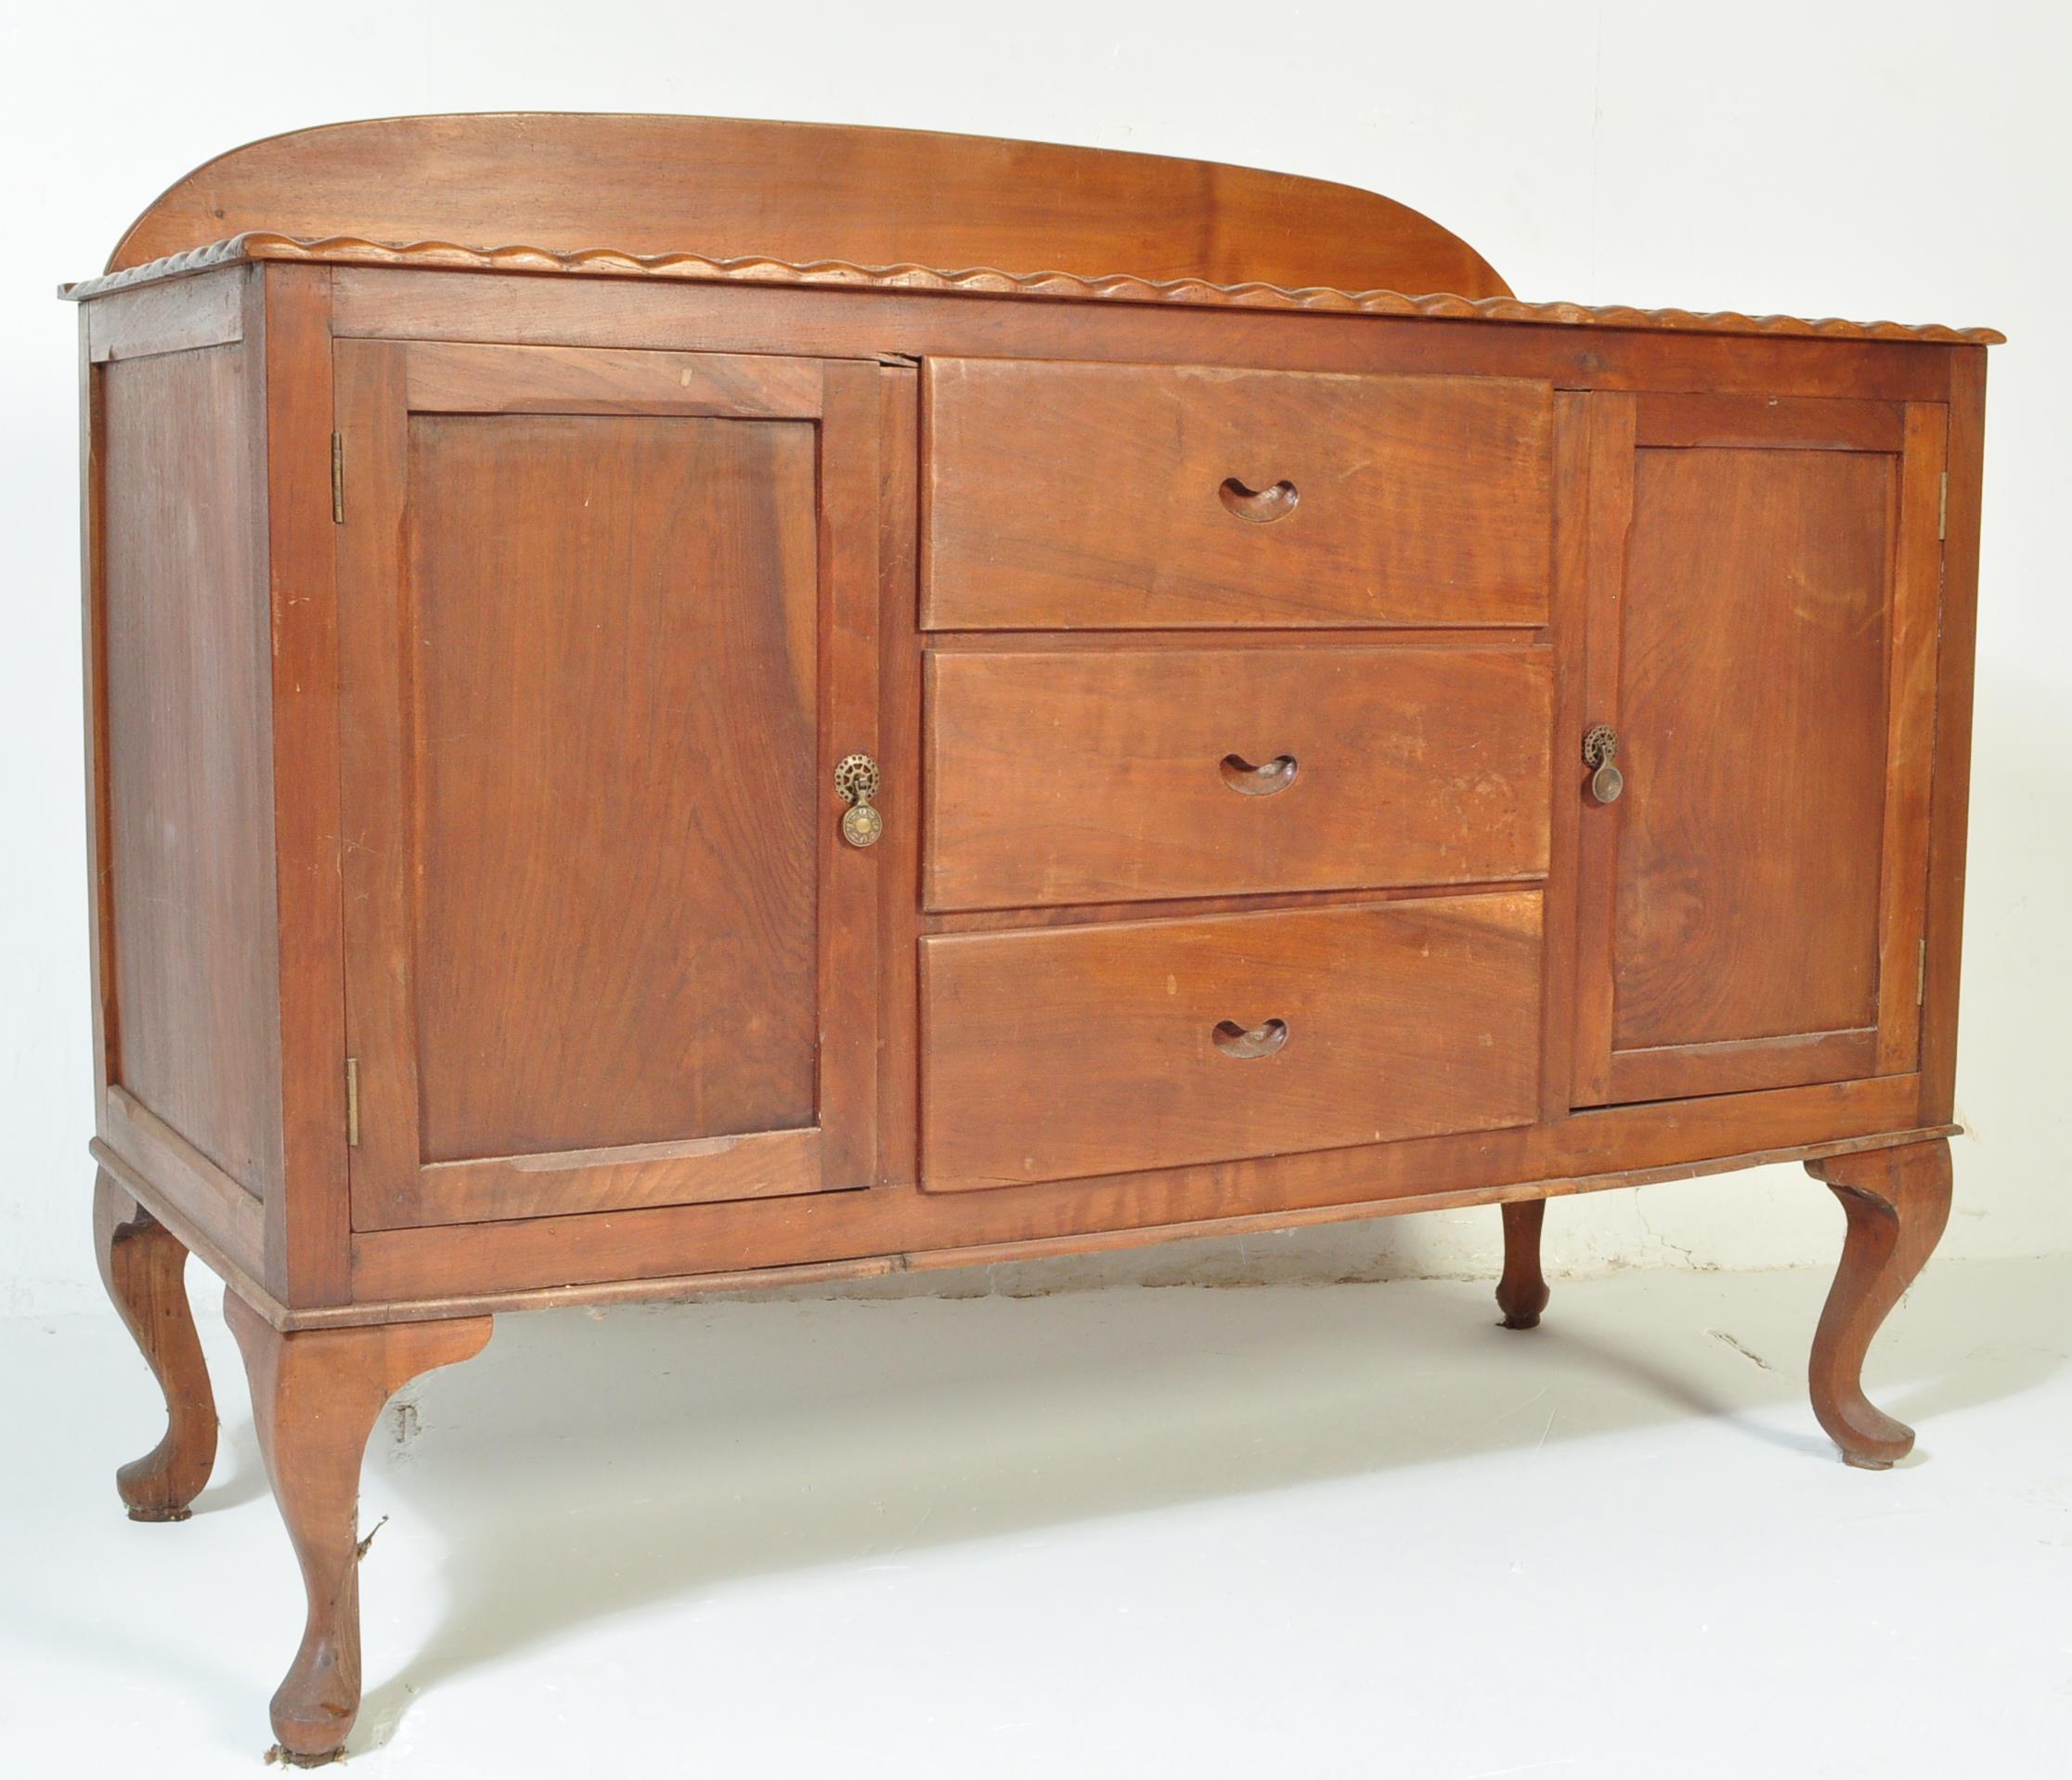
x: 349, y: 249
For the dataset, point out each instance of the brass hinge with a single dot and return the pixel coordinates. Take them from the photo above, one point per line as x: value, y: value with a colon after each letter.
x: 338, y: 479
x: 351, y: 1101
x: 1921, y: 977
x: 1942, y: 512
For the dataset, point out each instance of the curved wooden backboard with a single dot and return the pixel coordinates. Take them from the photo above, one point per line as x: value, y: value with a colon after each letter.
x: 724, y: 188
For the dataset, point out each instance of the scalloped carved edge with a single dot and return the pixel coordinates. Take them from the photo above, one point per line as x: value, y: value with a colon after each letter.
x: 350, y: 249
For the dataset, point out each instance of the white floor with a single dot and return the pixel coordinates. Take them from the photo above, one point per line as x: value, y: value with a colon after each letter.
x: 1302, y: 1531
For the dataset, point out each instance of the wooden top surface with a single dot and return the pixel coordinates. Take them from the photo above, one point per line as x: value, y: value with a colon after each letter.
x: 728, y: 201
x: 345, y: 250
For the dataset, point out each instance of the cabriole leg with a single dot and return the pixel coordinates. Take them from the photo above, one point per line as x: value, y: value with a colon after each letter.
x: 1522, y: 1293
x: 316, y: 1394
x: 143, y: 1266
x: 1897, y: 1202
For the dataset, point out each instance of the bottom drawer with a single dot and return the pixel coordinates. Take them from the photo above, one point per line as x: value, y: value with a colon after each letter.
x: 1064, y: 1052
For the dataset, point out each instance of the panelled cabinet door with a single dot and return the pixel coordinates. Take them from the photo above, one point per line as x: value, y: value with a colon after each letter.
x: 607, y: 624
x: 1765, y: 580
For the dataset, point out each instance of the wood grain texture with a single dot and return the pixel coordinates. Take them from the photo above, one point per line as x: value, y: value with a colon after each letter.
x: 619, y: 1176
x: 849, y: 594
x: 224, y: 1232
x: 1817, y: 731
x: 511, y: 783
x: 1951, y: 798
x: 1108, y: 497
x: 1670, y: 365
x: 462, y: 378
x: 199, y: 1191
x: 685, y: 1287
x: 1736, y: 1065
x: 641, y: 625
x: 1074, y: 915
x: 1752, y: 722
x: 1131, y: 1043
x: 185, y: 677
x: 1070, y: 777
x: 93, y: 682
x: 1187, y: 292
x: 1896, y: 1203
x: 1761, y: 638
x: 596, y: 603
x: 806, y: 192
x: 379, y: 302
x: 1521, y: 1291
x: 1568, y: 635
x: 144, y: 1266
x: 308, y: 1224
x: 393, y: 1267
x: 1613, y: 423
x: 899, y: 751
x: 315, y: 1398
x: 178, y: 316
x: 1770, y: 424
x: 1910, y: 646
x: 1775, y: 391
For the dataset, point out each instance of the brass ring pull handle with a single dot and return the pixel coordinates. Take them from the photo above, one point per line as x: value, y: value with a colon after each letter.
x: 856, y: 779
x: 1252, y: 781
x: 1234, y: 1040
x: 1598, y: 747
x: 1262, y: 506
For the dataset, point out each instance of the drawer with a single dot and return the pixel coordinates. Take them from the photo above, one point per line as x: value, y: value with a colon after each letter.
x: 1074, y: 776
x: 1160, y: 496
x: 1057, y: 1053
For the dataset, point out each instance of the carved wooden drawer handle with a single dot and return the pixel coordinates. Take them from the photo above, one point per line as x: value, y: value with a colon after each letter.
x: 1252, y: 781
x: 1234, y: 1040
x: 1262, y: 506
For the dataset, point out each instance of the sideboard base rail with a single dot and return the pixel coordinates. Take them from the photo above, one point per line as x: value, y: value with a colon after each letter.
x: 676, y: 1288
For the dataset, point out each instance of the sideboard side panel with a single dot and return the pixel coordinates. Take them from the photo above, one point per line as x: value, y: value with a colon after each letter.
x: 191, y: 976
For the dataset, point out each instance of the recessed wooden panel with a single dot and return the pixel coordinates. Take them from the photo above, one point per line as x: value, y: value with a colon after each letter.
x: 1070, y: 1052
x: 1753, y: 740
x: 613, y: 631
x: 1082, y: 776
x: 1121, y: 495
x: 190, y: 899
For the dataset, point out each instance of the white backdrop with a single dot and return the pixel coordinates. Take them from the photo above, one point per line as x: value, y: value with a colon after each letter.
x: 1867, y: 159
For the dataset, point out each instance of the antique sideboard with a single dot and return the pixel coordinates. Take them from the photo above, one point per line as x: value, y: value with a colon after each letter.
x: 677, y: 704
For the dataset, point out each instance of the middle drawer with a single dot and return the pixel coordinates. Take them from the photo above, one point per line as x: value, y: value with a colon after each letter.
x: 1062, y: 776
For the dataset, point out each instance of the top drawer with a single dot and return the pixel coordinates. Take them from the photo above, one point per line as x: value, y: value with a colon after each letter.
x: 1161, y: 496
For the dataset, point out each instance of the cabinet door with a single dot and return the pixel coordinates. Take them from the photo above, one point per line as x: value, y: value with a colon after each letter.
x: 1764, y: 584
x: 607, y: 623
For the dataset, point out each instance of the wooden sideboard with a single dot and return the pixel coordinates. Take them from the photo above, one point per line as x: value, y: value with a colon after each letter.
x: 677, y: 704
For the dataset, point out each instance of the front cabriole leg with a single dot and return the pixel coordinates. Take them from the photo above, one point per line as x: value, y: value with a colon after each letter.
x: 144, y: 1266
x: 1897, y: 1202
x: 316, y: 1394
x: 1522, y: 1293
